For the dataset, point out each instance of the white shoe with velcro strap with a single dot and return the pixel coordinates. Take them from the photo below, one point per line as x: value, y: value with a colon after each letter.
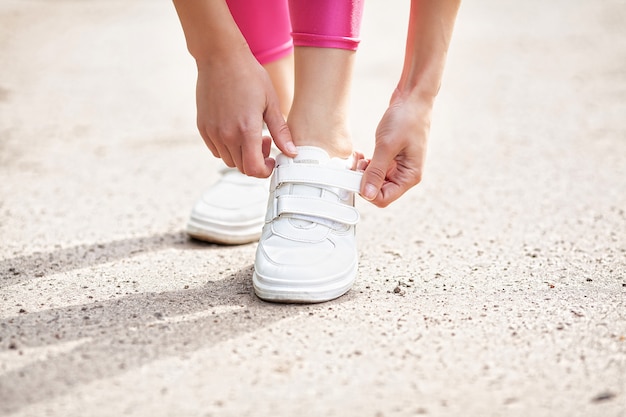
x: 307, y: 251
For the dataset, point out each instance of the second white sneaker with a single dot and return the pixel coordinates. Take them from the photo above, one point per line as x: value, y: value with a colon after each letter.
x: 231, y: 211
x: 307, y: 251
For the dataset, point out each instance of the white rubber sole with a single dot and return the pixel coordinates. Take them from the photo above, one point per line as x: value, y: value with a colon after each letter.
x: 224, y: 234
x: 284, y: 291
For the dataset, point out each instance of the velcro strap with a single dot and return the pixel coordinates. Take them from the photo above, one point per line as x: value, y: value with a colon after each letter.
x: 317, y: 207
x: 320, y: 175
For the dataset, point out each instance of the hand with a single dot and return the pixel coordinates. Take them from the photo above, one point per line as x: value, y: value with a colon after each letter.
x: 398, y: 159
x: 234, y: 96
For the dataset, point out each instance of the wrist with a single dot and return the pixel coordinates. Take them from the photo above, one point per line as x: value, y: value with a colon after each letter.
x: 223, y: 53
x: 210, y: 30
x: 418, y: 95
x: 421, y: 80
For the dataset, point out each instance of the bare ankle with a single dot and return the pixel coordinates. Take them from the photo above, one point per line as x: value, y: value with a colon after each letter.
x: 336, y: 148
x: 337, y: 141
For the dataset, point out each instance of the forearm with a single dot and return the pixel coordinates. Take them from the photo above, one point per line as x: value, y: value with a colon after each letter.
x: 430, y: 30
x: 210, y: 30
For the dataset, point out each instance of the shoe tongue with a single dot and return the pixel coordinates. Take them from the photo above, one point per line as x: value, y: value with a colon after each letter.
x: 314, y: 155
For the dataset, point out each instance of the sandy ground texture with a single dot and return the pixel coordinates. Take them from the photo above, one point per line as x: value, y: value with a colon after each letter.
x: 495, y: 288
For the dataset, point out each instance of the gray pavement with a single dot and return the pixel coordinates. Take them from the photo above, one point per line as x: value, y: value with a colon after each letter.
x: 495, y: 288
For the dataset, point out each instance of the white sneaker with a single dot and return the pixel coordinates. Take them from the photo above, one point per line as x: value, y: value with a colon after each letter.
x: 307, y: 252
x: 231, y: 211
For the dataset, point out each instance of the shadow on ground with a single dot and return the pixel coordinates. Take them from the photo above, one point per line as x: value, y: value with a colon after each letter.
x: 104, y: 339
x: 87, y: 342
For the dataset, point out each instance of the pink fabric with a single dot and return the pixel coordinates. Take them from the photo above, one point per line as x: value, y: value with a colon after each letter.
x: 326, y: 23
x: 266, y: 26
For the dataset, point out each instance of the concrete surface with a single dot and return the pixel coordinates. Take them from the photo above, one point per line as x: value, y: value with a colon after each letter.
x: 495, y: 288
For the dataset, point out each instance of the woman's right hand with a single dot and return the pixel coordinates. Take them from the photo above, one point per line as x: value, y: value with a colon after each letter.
x: 234, y: 97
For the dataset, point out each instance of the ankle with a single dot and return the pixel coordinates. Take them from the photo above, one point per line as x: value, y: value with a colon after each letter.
x: 333, y: 150
x: 337, y: 142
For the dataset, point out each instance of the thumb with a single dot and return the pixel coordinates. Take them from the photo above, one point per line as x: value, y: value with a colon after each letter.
x: 375, y: 174
x: 279, y: 130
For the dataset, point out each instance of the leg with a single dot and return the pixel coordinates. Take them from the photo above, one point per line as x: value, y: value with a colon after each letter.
x: 307, y: 251
x: 325, y: 34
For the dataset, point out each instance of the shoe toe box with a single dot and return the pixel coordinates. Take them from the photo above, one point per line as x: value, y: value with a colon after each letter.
x: 296, y: 262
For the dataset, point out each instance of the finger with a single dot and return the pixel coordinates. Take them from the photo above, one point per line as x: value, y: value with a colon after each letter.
x: 212, y: 148
x: 267, y: 150
x: 254, y: 160
x: 230, y: 148
x: 237, y: 155
x: 208, y: 142
x: 225, y: 155
x: 266, y: 146
x: 279, y: 130
x: 389, y: 192
x: 228, y: 160
x: 399, y: 180
x: 375, y: 173
x: 270, y: 163
x: 357, y: 157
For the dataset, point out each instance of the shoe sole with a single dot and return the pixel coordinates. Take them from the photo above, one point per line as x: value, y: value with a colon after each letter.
x: 224, y: 234
x: 326, y: 291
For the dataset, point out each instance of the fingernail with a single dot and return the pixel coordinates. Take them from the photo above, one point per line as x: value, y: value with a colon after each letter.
x: 291, y: 148
x: 370, y: 192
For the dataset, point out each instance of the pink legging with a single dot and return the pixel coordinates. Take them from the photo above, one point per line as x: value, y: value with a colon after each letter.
x: 273, y: 27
